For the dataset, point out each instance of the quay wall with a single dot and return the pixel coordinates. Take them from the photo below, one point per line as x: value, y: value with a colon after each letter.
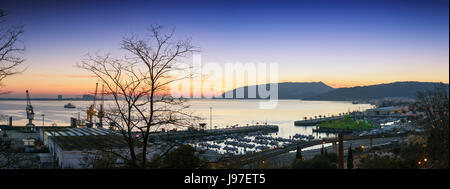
x: 314, y: 122
x: 203, y: 133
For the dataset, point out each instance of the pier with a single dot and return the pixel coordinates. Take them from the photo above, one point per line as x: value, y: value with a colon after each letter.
x: 202, y: 133
x: 21, y: 127
x: 314, y: 122
x: 356, y: 115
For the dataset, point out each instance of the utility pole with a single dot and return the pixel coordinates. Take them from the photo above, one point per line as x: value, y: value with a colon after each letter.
x: 210, y: 117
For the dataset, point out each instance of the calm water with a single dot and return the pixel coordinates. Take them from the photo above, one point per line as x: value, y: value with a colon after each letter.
x: 224, y: 112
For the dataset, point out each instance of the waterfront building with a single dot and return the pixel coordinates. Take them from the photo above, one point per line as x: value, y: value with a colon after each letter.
x: 390, y: 110
x: 71, y: 147
x: 87, y: 97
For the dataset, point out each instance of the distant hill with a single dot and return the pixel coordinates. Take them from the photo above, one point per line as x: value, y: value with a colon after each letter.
x: 396, y: 89
x: 290, y: 90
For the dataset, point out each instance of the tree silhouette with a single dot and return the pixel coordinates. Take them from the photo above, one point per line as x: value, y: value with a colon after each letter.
x: 350, y: 158
x: 11, y: 49
x: 139, y: 83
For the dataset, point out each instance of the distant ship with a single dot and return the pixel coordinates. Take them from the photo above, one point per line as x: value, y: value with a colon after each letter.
x: 69, y: 105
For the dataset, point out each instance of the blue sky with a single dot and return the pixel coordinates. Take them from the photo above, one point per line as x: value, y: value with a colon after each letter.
x: 342, y: 43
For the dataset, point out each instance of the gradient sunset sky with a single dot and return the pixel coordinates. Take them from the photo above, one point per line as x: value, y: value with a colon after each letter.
x: 341, y: 43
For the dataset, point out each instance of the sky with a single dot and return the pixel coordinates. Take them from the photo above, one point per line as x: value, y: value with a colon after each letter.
x: 341, y: 43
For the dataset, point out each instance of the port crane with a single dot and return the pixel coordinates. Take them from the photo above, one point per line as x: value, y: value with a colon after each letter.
x: 101, y: 112
x: 92, y: 111
x: 30, y: 113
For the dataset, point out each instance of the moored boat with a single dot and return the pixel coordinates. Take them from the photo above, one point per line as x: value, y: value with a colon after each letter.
x: 69, y: 105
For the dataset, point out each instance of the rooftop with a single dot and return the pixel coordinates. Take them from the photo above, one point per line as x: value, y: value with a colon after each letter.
x: 78, y: 143
x: 78, y: 132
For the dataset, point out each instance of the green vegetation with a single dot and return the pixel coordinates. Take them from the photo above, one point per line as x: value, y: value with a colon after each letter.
x: 435, y: 105
x: 396, y: 89
x: 350, y: 158
x: 385, y: 162
x: 403, y: 157
x: 299, y: 156
x: 183, y: 158
x: 375, y: 148
x: 323, y: 161
x: 348, y: 123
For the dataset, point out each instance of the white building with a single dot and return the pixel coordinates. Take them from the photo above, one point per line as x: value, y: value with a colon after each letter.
x: 72, y: 147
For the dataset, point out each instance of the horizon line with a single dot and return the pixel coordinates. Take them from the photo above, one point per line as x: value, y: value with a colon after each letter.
x: 81, y: 94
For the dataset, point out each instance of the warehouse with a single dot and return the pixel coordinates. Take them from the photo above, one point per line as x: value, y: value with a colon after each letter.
x: 75, y: 147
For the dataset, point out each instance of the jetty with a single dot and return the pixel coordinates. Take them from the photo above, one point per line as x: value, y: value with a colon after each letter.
x: 332, y: 130
x: 210, y: 132
x: 314, y: 122
x: 22, y: 127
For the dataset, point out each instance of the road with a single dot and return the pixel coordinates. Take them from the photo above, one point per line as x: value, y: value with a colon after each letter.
x: 263, y: 155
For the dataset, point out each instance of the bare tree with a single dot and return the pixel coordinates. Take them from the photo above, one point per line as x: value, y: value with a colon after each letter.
x: 11, y: 49
x: 435, y: 106
x: 139, y: 85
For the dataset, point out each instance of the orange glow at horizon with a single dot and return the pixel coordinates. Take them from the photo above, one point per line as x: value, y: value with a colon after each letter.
x: 76, y: 82
x: 79, y: 86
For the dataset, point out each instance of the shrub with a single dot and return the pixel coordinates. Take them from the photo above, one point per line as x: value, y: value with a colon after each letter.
x: 325, y: 161
x: 385, y: 162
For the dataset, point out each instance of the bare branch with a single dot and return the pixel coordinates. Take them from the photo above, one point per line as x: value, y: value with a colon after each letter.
x: 11, y: 49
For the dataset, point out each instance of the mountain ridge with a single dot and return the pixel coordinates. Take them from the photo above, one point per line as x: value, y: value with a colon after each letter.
x: 287, y: 90
x: 321, y: 91
x: 407, y: 89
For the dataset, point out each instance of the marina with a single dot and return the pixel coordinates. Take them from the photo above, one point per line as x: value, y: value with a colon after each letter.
x: 247, y: 113
x: 233, y: 145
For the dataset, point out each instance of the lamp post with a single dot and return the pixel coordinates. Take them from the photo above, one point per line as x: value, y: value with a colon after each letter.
x: 43, y: 120
x: 210, y: 117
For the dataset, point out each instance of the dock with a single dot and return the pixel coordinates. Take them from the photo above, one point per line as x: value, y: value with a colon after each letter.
x: 317, y: 121
x: 211, y: 132
x: 21, y: 127
x: 314, y: 122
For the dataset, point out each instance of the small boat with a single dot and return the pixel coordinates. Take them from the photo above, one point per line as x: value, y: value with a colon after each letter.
x: 69, y: 105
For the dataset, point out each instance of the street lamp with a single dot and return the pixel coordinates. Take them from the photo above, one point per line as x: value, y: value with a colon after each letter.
x: 43, y: 120
x: 210, y: 117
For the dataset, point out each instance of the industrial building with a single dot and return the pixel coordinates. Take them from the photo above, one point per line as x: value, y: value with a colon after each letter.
x: 391, y: 110
x: 45, y: 133
x: 71, y: 147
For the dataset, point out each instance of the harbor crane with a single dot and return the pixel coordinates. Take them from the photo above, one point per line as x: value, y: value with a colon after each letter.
x: 91, y: 111
x: 101, y: 112
x: 30, y: 114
